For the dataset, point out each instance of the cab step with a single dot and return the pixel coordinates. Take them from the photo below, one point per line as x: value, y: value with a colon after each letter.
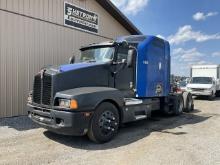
x: 140, y: 117
x: 132, y: 101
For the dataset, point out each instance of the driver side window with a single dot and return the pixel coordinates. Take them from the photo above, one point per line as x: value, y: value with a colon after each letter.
x: 122, y: 54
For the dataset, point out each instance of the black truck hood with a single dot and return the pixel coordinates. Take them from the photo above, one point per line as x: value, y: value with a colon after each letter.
x: 71, y: 76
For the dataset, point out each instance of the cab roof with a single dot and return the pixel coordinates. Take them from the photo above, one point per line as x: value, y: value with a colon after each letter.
x: 129, y: 39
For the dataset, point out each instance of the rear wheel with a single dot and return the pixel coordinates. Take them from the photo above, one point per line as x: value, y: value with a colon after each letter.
x: 188, y: 102
x: 178, y: 104
x: 174, y: 106
x: 104, y: 124
x: 167, y: 110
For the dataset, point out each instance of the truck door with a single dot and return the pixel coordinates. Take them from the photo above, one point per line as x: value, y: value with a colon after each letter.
x: 124, y: 79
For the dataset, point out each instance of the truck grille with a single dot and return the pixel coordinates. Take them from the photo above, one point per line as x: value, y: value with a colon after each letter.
x: 37, y: 89
x: 197, y: 89
x: 47, y: 88
x: 42, y: 90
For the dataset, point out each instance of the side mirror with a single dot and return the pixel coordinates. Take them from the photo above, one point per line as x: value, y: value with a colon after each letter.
x: 131, y: 57
x: 72, y: 60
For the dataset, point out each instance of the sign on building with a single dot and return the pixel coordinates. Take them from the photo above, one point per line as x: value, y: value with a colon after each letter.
x: 80, y: 18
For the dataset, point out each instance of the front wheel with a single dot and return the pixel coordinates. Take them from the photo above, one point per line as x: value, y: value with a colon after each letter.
x: 105, y: 123
x: 212, y: 96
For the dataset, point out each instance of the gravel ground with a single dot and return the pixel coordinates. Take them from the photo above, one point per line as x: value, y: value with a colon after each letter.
x: 192, y: 138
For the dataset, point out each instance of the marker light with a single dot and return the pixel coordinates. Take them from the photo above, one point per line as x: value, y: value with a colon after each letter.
x: 73, y: 104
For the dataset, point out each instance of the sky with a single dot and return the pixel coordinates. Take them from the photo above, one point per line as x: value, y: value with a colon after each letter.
x: 191, y: 26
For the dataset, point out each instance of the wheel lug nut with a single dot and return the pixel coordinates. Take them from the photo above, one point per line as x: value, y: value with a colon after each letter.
x: 113, y: 129
x: 116, y: 123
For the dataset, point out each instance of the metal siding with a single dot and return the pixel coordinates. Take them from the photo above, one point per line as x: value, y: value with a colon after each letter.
x: 20, y: 7
x: 52, y: 11
x: 107, y: 24
x: 3, y: 4
x: 28, y: 44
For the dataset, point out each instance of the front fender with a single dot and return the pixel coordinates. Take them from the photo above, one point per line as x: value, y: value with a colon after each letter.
x: 89, y: 97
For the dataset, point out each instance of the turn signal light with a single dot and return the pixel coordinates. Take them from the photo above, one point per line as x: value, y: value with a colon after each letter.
x: 73, y: 104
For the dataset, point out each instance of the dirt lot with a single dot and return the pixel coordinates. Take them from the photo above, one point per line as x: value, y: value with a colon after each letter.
x: 188, y: 139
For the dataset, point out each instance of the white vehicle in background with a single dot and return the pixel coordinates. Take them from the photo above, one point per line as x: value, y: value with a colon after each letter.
x: 202, y: 86
x: 182, y: 85
x: 205, y: 81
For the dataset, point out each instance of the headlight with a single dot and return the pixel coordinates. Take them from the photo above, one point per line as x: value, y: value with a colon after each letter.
x: 65, y: 103
x: 29, y: 99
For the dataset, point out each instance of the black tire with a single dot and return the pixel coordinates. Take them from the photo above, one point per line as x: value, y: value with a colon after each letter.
x: 188, y: 102
x: 104, y: 124
x: 218, y: 93
x: 174, y: 105
x: 167, y: 110
x: 178, y: 104
x: 212, y: 97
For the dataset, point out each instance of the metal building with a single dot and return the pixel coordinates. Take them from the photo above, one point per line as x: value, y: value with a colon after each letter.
x: 35, y: 33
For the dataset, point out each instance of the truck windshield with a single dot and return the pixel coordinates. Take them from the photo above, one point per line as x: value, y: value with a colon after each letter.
x: 97, y: 54
x: 201, y: 80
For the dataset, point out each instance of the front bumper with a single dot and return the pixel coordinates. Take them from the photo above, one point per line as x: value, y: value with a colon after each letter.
x: 60, y: 122
x: 203, y: 93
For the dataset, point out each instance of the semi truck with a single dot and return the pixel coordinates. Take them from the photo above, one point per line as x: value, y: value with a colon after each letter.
x: 205, y: 81
x: 111, y: 84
